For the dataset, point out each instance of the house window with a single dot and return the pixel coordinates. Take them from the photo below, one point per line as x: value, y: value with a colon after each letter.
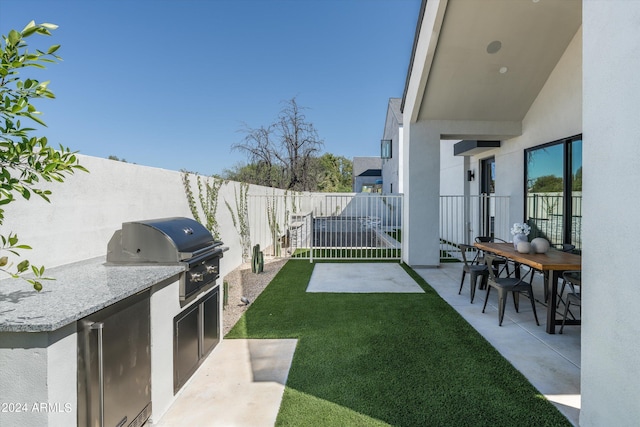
x: 553, y: 188
x: 385, y: 149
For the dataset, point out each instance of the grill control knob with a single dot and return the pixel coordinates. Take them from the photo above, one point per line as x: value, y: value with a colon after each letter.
x: 212, y: 269
x: 196, y: 277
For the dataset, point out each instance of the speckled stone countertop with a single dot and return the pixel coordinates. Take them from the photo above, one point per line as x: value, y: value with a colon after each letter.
x: 80, y: 289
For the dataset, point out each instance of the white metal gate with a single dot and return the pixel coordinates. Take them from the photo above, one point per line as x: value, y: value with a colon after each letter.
x: 328, y: 225
x: 462, y: 218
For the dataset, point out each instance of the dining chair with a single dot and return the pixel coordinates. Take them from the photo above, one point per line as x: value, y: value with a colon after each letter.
x: 573, y: 279
x: 474, y: 270
x: 564, y: 247
x: 504, y: 285
x: 479, y: 259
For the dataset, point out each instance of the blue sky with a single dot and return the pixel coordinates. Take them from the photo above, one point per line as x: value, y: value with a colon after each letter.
x: 169, y: 83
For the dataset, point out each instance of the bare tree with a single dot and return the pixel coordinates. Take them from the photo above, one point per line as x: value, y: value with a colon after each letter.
x: 261, y: 152
x: 285, y: 151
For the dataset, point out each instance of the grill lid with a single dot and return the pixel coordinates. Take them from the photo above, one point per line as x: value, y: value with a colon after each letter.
x: 160, y: 240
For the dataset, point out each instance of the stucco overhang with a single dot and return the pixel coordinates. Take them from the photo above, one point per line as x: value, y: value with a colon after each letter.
x: 485, y: 61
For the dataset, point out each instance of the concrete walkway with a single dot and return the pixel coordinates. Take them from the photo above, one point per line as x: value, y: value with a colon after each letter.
x: 240, y: 384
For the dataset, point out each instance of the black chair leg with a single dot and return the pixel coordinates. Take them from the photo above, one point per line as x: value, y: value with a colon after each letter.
x: 533, y: 306
x: 564, y: 317
x: 486, y: 298
x: 502, y: 304
x: 473, y: 282
x: 462, y: 281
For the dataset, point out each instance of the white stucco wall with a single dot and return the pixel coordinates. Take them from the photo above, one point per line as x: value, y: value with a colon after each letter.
x: 164, y: 306
x: 88, y: 208
x: 38, y: 372
x: 421, y: 170
x: 452, y: 170
x: 611, y: 153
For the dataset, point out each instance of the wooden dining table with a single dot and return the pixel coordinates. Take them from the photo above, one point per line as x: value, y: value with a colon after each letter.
x: 551, y: 264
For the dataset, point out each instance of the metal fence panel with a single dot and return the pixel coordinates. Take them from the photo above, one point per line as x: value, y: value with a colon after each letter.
x: 329, y: 225
x: 462, y: 218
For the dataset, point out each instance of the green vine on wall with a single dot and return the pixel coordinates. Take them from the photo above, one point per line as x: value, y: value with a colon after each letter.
x: 208, y: 191
x: 294, y: 208
x: 272, y: 218
x: 241, y: 219
x: 186, y: 183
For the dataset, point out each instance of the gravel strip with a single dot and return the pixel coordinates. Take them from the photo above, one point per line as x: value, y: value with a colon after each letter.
x: 243, y: 283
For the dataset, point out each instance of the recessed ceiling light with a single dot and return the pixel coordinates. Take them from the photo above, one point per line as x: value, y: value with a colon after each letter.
x: 503, y: 70
x: 494, y: 46
x: 535, y: 1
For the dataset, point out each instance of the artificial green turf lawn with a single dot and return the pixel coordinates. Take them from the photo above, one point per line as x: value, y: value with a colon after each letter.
x: 387, y: 359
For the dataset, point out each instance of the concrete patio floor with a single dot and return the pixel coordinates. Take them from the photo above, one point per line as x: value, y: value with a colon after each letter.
x: 242, y: 381
x: 550, y: 362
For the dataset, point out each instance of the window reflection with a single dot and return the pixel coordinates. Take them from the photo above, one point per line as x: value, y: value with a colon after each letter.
x: 553, y: 196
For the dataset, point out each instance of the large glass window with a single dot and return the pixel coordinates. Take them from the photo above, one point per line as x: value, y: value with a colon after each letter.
x: 553, y: 188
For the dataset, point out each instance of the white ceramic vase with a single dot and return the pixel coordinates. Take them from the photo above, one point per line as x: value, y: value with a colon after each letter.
x: 517, y: 238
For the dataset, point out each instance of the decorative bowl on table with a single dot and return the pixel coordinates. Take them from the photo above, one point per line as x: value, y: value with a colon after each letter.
x: 540, y: 245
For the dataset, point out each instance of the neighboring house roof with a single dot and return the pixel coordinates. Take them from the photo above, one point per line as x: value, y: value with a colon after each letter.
x: 372, y: 172
x: 361, y: 164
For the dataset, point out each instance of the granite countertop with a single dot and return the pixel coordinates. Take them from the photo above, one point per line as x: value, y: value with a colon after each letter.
x: 80, y: 289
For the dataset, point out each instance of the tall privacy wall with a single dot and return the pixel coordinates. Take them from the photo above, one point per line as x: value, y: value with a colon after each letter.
x: 88, y: 208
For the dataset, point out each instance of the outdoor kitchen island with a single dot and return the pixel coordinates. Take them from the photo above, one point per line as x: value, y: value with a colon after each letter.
x: 39, y: 336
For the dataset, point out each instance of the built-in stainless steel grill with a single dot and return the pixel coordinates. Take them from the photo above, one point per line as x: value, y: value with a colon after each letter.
x: 169, y: 241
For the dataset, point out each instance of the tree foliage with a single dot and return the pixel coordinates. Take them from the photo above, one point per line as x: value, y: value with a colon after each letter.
x: 286, y: 154
x: 327, y: 173
x: 26, y: 160
x: 577, y: 180
x: 282, y: 154
x: 547, y: 184
x: 335, y: 174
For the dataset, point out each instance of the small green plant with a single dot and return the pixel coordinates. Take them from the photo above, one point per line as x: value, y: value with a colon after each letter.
x: 257, y: 260
x: 225, y: 294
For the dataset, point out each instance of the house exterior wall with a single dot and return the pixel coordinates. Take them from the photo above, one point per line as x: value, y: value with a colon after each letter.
x: 556, y: 113
x: 452, y: 170
x: 421, y: 247
x: 391, y: 177
x: 610, y: 329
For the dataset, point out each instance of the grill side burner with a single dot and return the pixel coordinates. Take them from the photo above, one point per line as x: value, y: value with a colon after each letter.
x: 170, y: 241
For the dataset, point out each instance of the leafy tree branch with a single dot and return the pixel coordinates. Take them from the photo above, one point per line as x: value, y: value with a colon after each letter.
x: 26, y: 160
